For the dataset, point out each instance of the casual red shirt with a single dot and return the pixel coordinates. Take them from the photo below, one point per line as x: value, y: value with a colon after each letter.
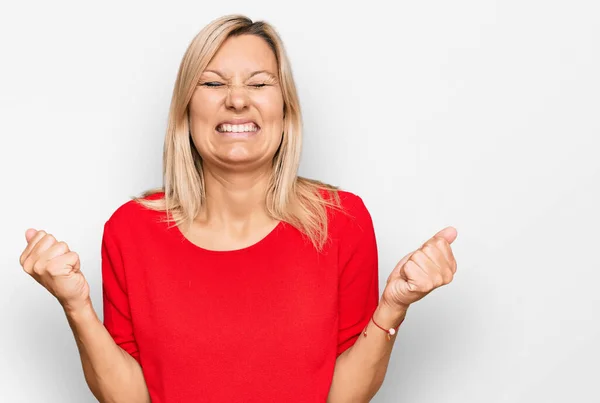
x: 260, y: 324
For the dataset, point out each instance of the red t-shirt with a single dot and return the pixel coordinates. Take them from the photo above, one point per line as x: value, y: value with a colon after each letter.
x: 260, y: 324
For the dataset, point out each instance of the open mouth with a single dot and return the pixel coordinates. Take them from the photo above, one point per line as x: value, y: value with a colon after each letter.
x: 238, y: 129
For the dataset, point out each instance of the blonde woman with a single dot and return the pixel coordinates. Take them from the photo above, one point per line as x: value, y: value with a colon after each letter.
x: 238, y: 280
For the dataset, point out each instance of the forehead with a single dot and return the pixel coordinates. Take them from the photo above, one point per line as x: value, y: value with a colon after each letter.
x: 244, y: 53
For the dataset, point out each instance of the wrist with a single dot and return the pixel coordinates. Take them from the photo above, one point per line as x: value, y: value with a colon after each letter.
x: 388, y: 316
x: 79, y: 310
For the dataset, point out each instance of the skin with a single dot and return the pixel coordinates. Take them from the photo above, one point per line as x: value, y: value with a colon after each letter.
x: 110, y: 372
x: 236, y: 175
x: 360, y: 370
x: 236, y: 170
x: 227, y: 89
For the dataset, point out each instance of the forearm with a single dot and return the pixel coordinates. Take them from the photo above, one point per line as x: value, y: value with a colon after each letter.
x: 360, y: 370
x: 111, y: 373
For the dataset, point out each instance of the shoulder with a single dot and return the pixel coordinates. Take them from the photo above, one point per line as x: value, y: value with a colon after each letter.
x: 353, y: 231
x: 132, y: 212
x: 352, y: 214
x: 349, y: 202
x: 352, y: 203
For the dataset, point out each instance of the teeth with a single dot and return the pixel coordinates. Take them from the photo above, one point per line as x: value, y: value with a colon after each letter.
x: 249, y: 127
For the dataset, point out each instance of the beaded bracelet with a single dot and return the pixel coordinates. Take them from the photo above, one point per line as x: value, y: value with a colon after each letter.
x: 390, y: 332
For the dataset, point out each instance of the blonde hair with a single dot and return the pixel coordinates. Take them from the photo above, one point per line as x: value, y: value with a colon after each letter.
x: 299, y: 201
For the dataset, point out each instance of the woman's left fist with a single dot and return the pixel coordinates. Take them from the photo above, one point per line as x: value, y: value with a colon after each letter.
x: 421, y: 271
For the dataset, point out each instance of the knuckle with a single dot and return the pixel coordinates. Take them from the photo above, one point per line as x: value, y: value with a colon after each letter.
x: 63, y: 247
x: 27, y: 262
x: 428, y: 249
x: 39, y: 267
x: 27, y: 268
x: 440, y: 242
x: 411, y: 265
x: 419, y: 254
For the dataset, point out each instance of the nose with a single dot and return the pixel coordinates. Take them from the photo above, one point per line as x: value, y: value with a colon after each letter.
x: 237, y: 97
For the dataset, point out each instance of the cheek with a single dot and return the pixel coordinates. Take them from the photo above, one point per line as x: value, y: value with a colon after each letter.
x: 201, y: 133
x: 202, y: 110
x: 203, y: 107
x: 270, y: 107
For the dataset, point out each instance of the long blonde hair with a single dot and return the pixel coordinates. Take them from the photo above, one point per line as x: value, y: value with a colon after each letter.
x: 299, y: 201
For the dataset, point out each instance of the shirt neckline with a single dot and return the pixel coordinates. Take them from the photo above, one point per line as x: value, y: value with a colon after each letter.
x: 258, y: 244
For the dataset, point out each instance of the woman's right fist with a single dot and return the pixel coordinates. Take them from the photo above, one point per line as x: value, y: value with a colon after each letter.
x: 54, y: 266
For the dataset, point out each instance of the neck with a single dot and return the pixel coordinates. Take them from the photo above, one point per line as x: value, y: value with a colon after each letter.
x: 234, y: 197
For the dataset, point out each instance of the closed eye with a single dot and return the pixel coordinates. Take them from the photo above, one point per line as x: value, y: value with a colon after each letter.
x: 212, y: 84
x: 217, y: 84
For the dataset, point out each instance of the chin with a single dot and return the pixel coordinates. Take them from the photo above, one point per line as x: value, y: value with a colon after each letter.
x: 247, y: 160
x: 238, y: 154
x: 237, y: 157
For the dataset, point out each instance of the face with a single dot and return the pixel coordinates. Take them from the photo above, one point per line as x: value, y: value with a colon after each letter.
x: 236, y: 111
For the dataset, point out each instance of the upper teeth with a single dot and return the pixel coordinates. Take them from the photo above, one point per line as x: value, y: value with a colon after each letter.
x: 248, y: 127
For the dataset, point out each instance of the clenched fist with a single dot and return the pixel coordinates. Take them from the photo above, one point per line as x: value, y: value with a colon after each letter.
x: 421, y: 271
x: 54, y: 266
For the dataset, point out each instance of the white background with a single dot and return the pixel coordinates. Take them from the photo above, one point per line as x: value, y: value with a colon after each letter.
x: 483, y: 115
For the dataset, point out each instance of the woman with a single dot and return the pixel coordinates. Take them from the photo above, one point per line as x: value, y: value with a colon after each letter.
x: 238, y: 280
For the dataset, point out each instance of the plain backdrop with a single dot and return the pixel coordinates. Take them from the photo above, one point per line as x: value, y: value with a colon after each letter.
x: 479, y: 114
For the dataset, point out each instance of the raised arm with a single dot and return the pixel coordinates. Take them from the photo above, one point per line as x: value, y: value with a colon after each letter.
x: 112, y: 374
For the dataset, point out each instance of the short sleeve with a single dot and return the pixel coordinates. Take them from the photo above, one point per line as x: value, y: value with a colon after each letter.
x: 117, y: 315
x: 359, y: 277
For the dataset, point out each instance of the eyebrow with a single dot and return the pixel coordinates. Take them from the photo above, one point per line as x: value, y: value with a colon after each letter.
x: 251, y: 74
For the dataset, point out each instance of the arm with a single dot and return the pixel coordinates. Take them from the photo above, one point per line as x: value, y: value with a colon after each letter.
x: 360, y: 370
x: 111, y: 373
x: 361, y: 367
x: 361, y: 361
x: 108, y: 353
x: 108, y: 349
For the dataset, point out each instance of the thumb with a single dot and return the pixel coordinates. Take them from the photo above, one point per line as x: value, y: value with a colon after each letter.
x: 30, y: 233
x: 448, y: 233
